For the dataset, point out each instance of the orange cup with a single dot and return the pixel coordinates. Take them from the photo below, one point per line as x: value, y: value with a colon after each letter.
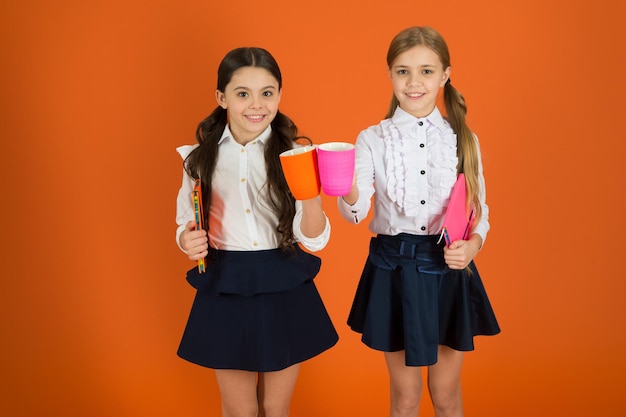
x: 300, y: 169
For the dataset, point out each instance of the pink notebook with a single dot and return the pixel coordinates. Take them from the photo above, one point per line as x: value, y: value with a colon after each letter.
x: 457, y: 222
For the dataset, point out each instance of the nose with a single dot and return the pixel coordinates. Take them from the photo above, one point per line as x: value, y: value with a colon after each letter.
x: 256, y: 101
x: 414, y: 79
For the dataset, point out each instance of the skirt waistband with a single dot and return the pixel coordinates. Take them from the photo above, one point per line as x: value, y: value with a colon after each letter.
x: 266, y: 255
x: 256, y: 272
x: 409, y: 246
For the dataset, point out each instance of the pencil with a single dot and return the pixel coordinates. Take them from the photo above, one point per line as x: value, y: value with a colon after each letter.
x: 445, y: 235
x: 197, y: 206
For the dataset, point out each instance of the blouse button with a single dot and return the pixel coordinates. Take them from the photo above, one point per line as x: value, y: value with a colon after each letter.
x: 423, y: 202
x: 255, y: 244
x: 423, y: 228
x: 422, y: 172
x: 247, y: 211
x: 242, y: 150
x: 243, y: 180
x: 421, y: 145
x: 420, y: 123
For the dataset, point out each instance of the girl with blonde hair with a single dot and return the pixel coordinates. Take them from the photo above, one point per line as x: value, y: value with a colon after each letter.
x: 419, y: 300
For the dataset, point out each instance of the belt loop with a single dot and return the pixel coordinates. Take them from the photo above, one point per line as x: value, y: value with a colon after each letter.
x: 401, y: 248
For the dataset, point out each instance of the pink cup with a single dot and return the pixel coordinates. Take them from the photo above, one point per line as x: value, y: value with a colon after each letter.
x: 335, y: 163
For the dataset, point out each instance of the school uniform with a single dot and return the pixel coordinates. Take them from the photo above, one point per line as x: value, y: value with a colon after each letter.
x: 256, y: 307
x: 407, y: 297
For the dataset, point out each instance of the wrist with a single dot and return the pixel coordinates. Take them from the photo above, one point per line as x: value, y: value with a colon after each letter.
x: 476, y: 240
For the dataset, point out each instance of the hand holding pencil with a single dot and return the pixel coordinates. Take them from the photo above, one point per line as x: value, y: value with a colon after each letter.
x: 194, y: 238
x: 199, y: 215
x: 194, y: 242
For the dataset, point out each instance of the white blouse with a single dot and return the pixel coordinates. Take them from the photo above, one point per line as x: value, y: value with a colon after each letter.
x: 410, y: 163
x: 240, y: 218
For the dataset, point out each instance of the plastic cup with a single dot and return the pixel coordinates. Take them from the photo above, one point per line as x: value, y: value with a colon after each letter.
x: 335, y: 162
x: 300, y: 170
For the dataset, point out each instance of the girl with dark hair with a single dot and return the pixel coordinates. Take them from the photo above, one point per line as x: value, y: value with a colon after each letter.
x: 419, y: 301
x: 257, y: 313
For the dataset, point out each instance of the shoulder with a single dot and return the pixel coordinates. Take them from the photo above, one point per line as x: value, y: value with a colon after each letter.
x: 185, y: 150
x: 373, y: 132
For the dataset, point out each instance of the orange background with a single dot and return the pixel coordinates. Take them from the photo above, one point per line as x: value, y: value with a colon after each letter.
x: 97, y: 94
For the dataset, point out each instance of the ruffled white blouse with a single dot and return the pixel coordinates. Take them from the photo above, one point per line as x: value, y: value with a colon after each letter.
x: 410, y: 163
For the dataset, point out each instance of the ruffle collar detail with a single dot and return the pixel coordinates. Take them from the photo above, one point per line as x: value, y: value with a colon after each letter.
x: 401, y: 156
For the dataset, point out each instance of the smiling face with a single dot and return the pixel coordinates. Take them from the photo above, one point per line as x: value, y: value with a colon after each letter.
x: 251, y: 99
x: 417, y: 74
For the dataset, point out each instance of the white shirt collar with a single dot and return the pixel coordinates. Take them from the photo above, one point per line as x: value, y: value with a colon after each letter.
x: 404, y: 120
x: 263, y: 136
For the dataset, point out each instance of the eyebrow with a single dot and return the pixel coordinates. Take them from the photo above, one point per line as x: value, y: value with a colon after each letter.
x: 408, y: 66
x: 241, y: 87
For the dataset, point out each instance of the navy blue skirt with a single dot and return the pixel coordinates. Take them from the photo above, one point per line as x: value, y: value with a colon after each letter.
x: 256, y: 311
x: 408, y: 299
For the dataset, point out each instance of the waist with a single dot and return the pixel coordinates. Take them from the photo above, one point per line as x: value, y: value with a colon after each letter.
x: 410, y: 246
x: 390, y: 252
x: 247, y: 256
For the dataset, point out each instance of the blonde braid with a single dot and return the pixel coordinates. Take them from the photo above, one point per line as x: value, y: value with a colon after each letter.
x: 467, y: 148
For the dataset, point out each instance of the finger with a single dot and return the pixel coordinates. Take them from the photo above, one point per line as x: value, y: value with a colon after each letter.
x: 195, y: 238
x: 457, y: 244
x: 456, y: 264
x: 199, y: 253
x: 198, y: 244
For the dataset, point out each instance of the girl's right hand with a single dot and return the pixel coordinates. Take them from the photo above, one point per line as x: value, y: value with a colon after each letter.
x: 194, y: 242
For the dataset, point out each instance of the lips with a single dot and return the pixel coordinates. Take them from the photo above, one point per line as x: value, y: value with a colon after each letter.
x: 255, y: 117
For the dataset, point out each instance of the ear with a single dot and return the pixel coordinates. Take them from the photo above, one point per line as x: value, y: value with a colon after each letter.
x: 221, y: 99
x: 446, y: 76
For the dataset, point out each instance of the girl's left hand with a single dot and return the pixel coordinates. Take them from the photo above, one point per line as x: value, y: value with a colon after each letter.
x: 461, y: 252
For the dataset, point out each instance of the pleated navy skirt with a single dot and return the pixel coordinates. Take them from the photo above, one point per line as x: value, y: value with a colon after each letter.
x: 256, y: 311
x: 408, y: 299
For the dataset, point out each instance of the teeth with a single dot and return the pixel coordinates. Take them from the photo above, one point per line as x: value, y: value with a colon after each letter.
x: 255, y: 117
